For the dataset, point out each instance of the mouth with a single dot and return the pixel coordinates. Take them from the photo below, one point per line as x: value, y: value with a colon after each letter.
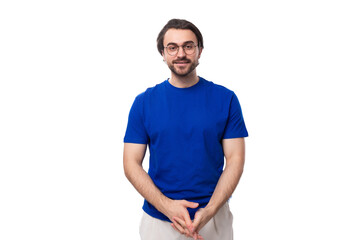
x: 181, y: 63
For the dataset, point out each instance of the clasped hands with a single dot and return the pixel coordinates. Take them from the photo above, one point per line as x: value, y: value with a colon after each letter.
x: 177, y: 212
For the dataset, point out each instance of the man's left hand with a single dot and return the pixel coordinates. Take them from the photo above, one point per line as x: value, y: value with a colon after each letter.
x: 202, y: 216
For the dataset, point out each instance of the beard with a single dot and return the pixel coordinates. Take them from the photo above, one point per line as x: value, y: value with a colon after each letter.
x: 183, y: 72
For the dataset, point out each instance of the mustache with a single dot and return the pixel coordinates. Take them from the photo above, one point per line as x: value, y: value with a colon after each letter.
x: 184, y: 59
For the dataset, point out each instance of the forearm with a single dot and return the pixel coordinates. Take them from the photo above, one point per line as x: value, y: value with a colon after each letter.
x: 226, y: 185
x: 133, y: 157
x: 142, y: 182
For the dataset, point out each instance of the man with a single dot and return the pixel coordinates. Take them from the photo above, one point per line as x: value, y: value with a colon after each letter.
x: 190, y: 124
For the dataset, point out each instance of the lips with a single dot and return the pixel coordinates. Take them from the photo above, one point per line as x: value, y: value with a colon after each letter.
x: 181, y: 62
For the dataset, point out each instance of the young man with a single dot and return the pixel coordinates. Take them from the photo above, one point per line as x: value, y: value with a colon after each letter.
x: 190, y: 124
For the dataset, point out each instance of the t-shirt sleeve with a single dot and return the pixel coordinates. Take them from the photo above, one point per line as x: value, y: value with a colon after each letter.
x: 235, y: 127
x: 136, y: 131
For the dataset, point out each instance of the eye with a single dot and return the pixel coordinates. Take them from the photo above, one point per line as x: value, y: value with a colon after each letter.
x: 189, y: 46
x: 172, y: 48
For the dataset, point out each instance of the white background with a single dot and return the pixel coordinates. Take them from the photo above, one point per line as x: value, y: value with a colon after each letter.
x: 70, y: 71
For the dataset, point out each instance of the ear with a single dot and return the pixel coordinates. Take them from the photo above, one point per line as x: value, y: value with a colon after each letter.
x: 200, y: 51
x: 163, y: 55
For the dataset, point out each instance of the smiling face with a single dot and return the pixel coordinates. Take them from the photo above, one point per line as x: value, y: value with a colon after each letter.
x: 181, y: 64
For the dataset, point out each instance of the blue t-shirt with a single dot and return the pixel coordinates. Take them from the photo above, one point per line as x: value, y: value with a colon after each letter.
x: 184, y: 128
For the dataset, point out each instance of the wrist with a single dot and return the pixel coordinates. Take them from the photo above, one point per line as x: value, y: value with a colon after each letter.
x: 211, y: 209
x: 163, y: 204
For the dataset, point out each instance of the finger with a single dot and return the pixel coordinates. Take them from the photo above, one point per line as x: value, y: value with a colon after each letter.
x: 174, y: 227
x: 197, y: 236
x: 182, y: 224
x: 190, y: 204
x: 185, y: 221
x: 187, y: 216
x: 180, y: 221
x: 188, y: 222
x: 178, y: 227
x: 196, y: 224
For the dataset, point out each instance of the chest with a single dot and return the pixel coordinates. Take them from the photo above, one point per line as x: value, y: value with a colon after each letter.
x: 186, y: 118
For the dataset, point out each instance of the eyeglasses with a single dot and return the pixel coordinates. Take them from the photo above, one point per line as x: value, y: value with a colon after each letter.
x: 173, y: 49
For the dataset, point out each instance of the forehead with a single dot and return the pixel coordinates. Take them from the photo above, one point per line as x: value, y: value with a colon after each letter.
x: 179, y: 36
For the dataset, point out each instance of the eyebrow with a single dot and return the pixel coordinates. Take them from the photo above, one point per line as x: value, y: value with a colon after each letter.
x: 171, y: 43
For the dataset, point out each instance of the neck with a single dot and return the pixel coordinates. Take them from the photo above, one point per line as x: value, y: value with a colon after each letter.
x: 184, y: 81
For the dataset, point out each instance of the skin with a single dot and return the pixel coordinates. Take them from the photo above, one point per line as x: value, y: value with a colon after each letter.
x: 182, y: 66
x: 183, y: 74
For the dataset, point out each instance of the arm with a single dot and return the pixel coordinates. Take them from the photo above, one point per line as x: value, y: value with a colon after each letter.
x: 234, y: 151
x: 133, y: 158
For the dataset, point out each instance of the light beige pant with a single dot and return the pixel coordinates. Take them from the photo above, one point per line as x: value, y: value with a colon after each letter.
x: 218, y: 228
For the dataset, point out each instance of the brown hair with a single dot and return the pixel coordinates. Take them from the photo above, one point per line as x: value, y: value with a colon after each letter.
x: 178, y: 24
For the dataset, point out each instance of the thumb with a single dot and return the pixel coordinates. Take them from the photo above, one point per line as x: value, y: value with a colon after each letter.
x: 196, y: 223
x: 190, y: 204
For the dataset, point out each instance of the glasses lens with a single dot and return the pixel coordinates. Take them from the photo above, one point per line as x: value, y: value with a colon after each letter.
x: 172, y: 49
x: 189, y: 48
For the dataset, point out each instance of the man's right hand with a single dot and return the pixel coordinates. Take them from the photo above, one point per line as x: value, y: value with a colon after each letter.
x: 133, y: 157
x: 177, y: 209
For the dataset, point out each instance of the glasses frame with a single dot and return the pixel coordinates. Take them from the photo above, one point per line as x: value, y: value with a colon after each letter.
x: 178, y: 47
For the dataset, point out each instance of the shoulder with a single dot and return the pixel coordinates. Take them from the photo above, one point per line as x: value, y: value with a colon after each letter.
x: 218, y: 89
x: 158, y: 88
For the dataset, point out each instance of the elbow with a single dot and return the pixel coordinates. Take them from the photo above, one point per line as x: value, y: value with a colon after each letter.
x: 237, y: 167
x: 241, y: 170
x: 240, y: 167
x: 126, y: 168
x: 131, y: 168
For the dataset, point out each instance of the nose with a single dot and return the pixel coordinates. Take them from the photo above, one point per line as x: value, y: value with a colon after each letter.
x: 181, y: 52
